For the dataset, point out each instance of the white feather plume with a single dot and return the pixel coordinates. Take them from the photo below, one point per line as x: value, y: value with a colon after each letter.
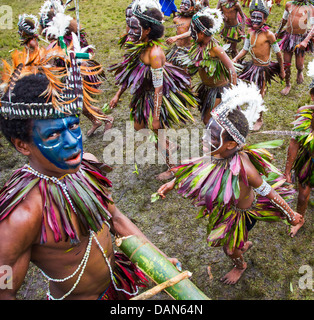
x: 215, y: 15
x: 51, y: 4
x: 31, y: 17
x: 146, y: 4
x: 246, y: 96
x: 77, y: 46
x: 310, y: 69
x: 57, y: 27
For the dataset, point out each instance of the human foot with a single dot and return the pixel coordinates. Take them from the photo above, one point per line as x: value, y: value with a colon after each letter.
x: 300, y: 77
x: 233, y: 276
x: 294, y: 229
x: 258, y: 124
x: 108, y: 123
x: 248, y: 245
x: 96, y: 125
x: 285, y: 91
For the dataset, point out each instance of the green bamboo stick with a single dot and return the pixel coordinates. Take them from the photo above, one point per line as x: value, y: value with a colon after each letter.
x: 158, y: 268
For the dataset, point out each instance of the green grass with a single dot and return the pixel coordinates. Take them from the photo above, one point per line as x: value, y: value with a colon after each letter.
x: 273, y: 261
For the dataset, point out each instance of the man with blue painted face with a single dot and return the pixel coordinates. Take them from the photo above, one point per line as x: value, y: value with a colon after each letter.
x: 57, y: 211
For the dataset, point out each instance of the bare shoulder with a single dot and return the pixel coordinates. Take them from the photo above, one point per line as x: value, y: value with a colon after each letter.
x: 23, y: 224
x: 89, y: 156
x: 253, y: 176
x: 270, y: 36
x: 247, y: 162
x: 288, y: 6
x: 157, y: 57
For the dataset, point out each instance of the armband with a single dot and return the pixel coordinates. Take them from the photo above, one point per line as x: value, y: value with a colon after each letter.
x: 283, y: 207
x: 275, y: 47
x: 157, y: 77
x: 285, y: 15
x: 264, y: 189
x: 247, y: 44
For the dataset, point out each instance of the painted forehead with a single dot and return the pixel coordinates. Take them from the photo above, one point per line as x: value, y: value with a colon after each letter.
x: 186, y: 3
x: 257, y: 14
x: 134, y: 22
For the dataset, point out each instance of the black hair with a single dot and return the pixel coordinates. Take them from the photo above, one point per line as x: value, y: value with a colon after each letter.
x: 157, y: 30
x: 29, y: 89
x: 206, y: 22
x: 238, y: 119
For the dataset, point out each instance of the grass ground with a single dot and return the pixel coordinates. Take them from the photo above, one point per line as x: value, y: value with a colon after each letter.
x: 273, y: 261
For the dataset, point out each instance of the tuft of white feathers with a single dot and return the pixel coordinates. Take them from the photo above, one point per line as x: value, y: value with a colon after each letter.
x: 310, y: 69
x: 58, y: 26
x: 246, y: 96
x: 146, y: 4
x: 77, y: 46
x: 31, y: 17
x: 48, y: 5
x: 215, y: 15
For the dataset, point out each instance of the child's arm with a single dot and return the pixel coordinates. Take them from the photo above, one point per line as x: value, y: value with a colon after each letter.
x: 262, y: 188
x: 284, y: 19
x: 242, y: 15
x: 114, y: 101
x: 272, y: 40
x: 220, y: 53
x: 178, y: 37
x: 292, y: 154
x: 244, y: 51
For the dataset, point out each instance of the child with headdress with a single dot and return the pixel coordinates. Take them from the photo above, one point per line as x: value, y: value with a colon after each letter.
x: 300, y: 158
x: 234, y: 23
x: 259, y: 43
x: 298, y: 19
x: 161, y: 91
x: 210, y: 60
x: 234, y: 184
x: 55, y: 25
x: 27, y: 29
x: 178, y: 53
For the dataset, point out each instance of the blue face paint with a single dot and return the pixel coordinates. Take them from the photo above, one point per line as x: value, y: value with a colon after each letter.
x: 59, y: 141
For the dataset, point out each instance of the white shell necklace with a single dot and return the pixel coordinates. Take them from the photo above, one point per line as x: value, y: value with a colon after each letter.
x: 85, y: 258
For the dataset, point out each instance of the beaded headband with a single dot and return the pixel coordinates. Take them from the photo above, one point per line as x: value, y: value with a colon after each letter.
x: 259, y: 5
x: 140, y: 6
x: 25, y: 30
x: 69, y: 101
x: 214, y: 14
x: 220, y: 115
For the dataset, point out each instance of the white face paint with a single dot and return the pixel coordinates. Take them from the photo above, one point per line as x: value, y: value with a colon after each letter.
x: 135, y: 29
x: 213, y: 139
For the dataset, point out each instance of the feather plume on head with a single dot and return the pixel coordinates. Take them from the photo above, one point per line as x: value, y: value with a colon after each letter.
x: 237, y: 97
x: 213, y: 14
x: 58, y: 26
x: 146, y: 4
x: 140, y: 6
x: 245, y: 94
